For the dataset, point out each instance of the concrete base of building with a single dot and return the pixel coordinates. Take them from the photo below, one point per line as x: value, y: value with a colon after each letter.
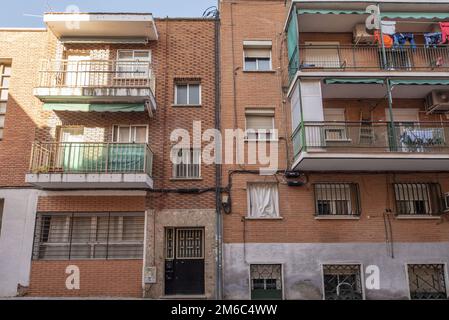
x: 302, y: 265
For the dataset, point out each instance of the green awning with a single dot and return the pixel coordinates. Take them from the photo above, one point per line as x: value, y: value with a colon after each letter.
x: 415, y: 15
x: 429, y: 82
x: 353, y: 81
x: 389, y: 15
x: 86, y: 107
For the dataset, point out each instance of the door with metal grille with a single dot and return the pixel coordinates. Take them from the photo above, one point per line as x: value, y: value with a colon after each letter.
x: 184, y: 261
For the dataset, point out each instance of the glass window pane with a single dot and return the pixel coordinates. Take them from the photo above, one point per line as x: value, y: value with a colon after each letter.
x: 250, y: 64
x: 123, y: 135
x: 125, y: 55
x: 141, y: 135
x: 2, y: 121
x: 264, y: 64
x: 142, y: 55
x: 2, y: 107
x: 1, y: 134
x: 5, y: 82
x: 194, y: 94
x: 7, y: 71
x: 4, y: 94
x: 181, y: 94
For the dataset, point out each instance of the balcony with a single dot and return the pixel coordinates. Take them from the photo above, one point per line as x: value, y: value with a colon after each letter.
x: 370, y: 58
x: 91, y: 166
x: 96, y: 81
x: 376, y: 146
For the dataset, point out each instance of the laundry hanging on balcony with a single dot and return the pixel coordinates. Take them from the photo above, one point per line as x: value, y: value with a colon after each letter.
x: 432, y: 39
x: 388, y: 27
x: 400, y: 39
x: 444, y: 32
x: 387, y: 39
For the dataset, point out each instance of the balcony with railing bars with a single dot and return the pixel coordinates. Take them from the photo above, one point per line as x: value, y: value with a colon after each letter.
x: 371, y: 146
x: 96, y: 81
x: 372, y: 58
x: 91, y: 165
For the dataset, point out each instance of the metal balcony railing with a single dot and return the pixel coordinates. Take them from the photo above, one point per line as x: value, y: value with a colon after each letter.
x: 359, y: 137
x: 48, y: 157
x: 96, y: 74
x: 371, y: 58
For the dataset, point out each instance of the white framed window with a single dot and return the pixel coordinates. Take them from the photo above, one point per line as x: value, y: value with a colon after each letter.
x: 257, y: 55
x: 188, y: 94
x: 337, y: 199
x: 260, y: 124
x: 5, y: 75
x: 107, y: 235
x: 263, y: 200
x: 130, y: 134
x: 187, y: 163
x: 133, y: 63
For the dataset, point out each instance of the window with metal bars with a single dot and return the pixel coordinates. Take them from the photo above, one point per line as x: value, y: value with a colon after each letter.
x: 337, y: 199
x: 427, y: 281
x: 187, y: 164
x: 418, y: 198
x: 266, y: 281
x: 70, y: 236
x: 342, y: 282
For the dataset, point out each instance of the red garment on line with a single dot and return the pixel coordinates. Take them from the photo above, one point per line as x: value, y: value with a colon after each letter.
x: 444, y: 26
x: 388, y: 40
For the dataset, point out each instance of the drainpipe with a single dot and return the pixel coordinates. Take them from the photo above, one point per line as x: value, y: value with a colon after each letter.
x: 218, y: 177
x: 390, y: 109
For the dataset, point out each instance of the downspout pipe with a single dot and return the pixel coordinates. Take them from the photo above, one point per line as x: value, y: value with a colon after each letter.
x: 218, y: 173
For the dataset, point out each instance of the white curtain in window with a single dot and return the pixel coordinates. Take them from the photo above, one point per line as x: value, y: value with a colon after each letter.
x: 263, y: 200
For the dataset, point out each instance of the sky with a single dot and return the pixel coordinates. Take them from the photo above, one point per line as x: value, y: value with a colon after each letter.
x: 28, y: 13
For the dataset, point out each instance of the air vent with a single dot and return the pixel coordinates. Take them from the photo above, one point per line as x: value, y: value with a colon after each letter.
x: 437, y: 102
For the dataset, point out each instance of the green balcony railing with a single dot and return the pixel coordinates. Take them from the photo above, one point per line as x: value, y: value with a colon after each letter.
x: 358, y: 137
x: 68, y: 157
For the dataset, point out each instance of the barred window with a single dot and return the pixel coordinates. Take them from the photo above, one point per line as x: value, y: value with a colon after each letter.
x: 342, y: 282
x: 427, y: 281
x: 187, y: 163
x: 266, y: 281
x: 418, y: 198
x: 337, y: 199
x: 68, y: 236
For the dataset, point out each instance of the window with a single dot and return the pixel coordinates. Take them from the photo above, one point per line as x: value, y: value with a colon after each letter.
x: 5, y: 74
x: 418, y: 198
x: 263, y: 200
x: 133, y: 63
x: 427, y: 281
x: 342, y: 282
x: 260, y: 124
x: 337, y: 199
x: 130, y: 134
x: 257, y: 55
x: 335, y: 131
x: 89, y: 236
x: 188, y: 94
x: 187, y: 163
x: 2, y: 203
x: 321, y: 55
x: 266, y: 281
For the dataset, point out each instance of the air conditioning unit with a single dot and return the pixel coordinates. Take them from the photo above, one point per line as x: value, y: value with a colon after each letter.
x: 361, y: 35
x: 446, y: 202
x: 437, y: 102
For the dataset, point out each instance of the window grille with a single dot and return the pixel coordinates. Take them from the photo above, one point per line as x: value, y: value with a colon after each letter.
x: 337, y: 199
x: 427, y: 281
x: 187, y: 163
x: 342, y: 282
x: 69, y: 236
x: 266, y: 281
x: 418, y: 198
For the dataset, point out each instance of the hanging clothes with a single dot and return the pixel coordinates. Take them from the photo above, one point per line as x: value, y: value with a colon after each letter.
x: 444, y: 32
x: 400, y: 39
x: 432, y: 39
x: 388, y: 40
x: 388, y: 27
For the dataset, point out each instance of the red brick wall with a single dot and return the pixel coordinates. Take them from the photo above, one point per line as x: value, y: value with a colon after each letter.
x: 91, y: 204
x: 98, y: 278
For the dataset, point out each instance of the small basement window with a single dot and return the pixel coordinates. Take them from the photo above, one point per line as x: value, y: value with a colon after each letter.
x: 342, y: 282
x: 266, y: 281
x: 427, y: 281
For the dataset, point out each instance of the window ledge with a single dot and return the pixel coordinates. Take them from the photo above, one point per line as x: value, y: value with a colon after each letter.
x: 335, y: 217
x: 261, y: 140
x: 255, y: 218
x: 186, y: 179
x: 417, y: 217
x: 186, y: 105
x: 259, y: 71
